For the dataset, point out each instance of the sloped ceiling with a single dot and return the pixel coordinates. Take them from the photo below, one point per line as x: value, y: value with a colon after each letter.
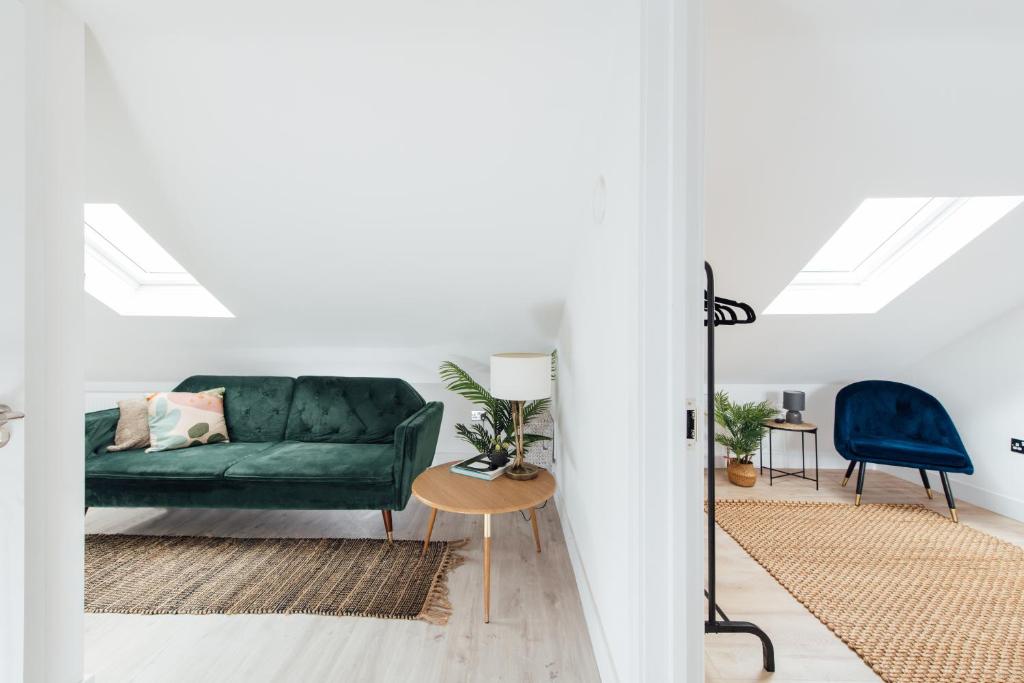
x: 814, y: 106
x: 340, y: 174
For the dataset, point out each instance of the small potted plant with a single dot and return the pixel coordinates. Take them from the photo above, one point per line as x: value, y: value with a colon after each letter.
x: 494, y: 435
x: 743, y: 423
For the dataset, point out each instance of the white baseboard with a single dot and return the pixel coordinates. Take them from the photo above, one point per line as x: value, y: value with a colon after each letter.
x: 598, y: 640
x: 1000, y: 503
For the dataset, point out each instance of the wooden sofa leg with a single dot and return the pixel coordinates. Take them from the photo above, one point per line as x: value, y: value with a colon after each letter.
x: 387, y: 525
x: 949, y: 497
x: 927, y: 486
x: 849, y: 471
x: 860, y: 482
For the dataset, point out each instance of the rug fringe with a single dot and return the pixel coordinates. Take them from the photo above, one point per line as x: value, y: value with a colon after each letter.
x: 437, y: 608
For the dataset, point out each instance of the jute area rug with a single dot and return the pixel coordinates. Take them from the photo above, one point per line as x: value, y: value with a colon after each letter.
x: 918, y: 597
x: 128, y: 574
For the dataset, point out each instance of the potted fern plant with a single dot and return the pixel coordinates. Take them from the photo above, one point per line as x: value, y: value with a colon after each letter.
x: 743, y: 425
x: 495, y: 434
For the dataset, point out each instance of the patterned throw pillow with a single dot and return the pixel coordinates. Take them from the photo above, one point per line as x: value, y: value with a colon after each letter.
x: 132, y: 425
x: 178, y: 419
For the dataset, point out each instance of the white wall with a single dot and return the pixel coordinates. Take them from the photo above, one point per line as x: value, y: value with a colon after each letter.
x: 357, y: 265
x: 598, y: 346
x: 54, y: 466
x: 596, y: 426
x: 12, y: 334
x: 814, y: 106
x: 980, y: 380
x: 394, y: 175
x: 821, y: 404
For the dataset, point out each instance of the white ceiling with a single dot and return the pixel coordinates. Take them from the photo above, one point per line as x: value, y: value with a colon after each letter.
x: 409, y: 180
x: 340, y: 174
x: 812, y: 107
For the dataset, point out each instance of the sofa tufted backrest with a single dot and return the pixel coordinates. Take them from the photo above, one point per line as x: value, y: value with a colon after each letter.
x: 350, y: 409
x: 255, y: 408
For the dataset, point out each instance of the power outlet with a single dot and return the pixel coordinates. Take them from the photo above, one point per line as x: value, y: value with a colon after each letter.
x: 476, y: 415
x: 1017, y: 445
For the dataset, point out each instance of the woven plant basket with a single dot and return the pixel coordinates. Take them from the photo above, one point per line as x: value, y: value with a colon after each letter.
x: 742, y: 474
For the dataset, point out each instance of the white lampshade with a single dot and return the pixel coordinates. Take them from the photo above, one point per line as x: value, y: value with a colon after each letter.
x: 521, y: 376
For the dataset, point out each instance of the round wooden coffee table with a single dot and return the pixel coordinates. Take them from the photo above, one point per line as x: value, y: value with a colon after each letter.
x: 442, y: 490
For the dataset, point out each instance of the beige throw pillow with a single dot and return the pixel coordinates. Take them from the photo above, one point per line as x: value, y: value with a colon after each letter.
x: 132, y: 425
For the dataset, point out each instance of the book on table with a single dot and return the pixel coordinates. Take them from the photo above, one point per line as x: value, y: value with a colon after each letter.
x: 479, y: 466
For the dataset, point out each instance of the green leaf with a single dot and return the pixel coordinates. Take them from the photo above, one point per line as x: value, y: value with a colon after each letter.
x: 743, y: 424
x: 477, y: 437
x: 496, y: 431
x: 535, y: 409
x: 216, y: 437
x: 458, y: 380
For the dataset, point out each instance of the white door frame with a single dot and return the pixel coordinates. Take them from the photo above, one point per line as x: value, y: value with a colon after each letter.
x: 12, y: 334
x: 669, y: 492
x: 53, y: 96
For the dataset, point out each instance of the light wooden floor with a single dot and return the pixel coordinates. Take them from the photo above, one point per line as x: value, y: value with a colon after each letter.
x: 537, y: 631
x: 805, y: 650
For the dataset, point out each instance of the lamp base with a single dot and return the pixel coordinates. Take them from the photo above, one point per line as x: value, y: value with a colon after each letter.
x: 523, y: 472
x: 794, y: 417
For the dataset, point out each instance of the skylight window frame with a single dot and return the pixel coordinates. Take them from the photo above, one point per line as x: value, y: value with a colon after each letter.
x: 106, y: 251
x: 118, y: 281
x: 915, y: 247
x: 927, y: 218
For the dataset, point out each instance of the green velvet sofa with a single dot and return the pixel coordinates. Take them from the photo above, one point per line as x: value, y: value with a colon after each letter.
x: 311, y: 443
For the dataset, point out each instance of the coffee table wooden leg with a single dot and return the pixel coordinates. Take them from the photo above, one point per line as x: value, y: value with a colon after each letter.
x: 487, y: 569
x: 536, y: 531
x: 430, y: 530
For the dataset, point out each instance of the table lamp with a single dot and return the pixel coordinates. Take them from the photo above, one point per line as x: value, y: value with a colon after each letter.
x: 793, y: 402
x: 518, y: 378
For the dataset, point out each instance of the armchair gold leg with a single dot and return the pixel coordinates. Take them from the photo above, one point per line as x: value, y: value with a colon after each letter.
x: 849, y: 471
x: 860, y: 481
x: 927, y: 485
x: 949, y: 497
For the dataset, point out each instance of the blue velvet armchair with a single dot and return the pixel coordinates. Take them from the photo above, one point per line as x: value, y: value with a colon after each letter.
x: 889, y: 423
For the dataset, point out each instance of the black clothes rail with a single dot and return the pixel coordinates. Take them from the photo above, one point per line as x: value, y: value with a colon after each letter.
x: 721, y: 311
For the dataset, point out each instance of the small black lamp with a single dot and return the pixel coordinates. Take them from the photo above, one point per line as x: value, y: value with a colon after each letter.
x: 793, y: 402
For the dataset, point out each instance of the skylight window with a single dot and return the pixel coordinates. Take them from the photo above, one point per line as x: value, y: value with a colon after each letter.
x: 883, y: 248
x: 131, y: 273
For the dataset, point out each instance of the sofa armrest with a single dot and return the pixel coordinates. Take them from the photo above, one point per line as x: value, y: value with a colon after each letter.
x: 415, y: 444
x: 100, y: 427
